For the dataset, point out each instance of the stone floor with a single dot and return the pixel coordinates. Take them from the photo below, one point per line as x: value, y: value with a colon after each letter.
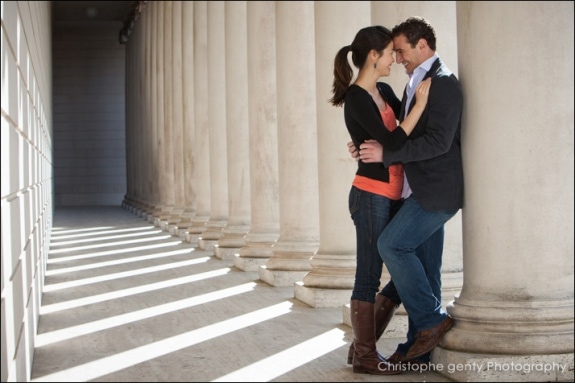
x: 125, y: 301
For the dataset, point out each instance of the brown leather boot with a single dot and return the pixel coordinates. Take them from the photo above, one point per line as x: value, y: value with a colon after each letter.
x: 384, y: 309
x: 366, y: 359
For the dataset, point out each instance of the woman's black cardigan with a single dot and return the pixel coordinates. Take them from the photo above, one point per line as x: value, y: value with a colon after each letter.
x: 364, y: 122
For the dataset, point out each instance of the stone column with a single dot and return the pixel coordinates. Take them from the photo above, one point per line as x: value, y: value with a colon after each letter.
x: 167, y: 127
x: 188, y: 119
x: 146, y: 155
x: 331, y: 278
x: 262, y: 107
x: 217, y: 126
x: 201, y: 150
x: 233, y: 233
x: 514, y: 316
x: 138, y: 136
x: 297, y: 144
x: 132, y: 105
x: 153, y: 181
x: 177, y: 119
x: 160, y: 144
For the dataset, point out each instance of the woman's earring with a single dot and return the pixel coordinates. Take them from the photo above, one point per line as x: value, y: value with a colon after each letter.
x: 374, y: 65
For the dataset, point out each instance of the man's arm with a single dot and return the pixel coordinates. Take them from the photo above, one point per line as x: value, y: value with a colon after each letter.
x: 370, y: 151
x: 441, y: 124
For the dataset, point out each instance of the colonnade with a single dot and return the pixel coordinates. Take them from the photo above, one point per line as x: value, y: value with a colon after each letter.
x: 232, y: 145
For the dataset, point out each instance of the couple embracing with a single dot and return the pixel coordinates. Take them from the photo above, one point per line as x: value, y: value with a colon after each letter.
x: 408, y: 184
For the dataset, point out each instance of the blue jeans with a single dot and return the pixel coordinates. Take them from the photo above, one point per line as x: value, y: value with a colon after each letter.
x: 370, y: 214
x: 433, y: 245
x: 411, y: 247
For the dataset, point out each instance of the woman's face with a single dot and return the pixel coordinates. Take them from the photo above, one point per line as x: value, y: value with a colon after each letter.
x: 385, y: 60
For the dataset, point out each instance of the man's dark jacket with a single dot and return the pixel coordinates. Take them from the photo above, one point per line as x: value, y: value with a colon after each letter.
x: 431, y: 156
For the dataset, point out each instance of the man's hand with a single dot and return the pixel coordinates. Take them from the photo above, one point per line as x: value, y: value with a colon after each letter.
x: 370, y: 151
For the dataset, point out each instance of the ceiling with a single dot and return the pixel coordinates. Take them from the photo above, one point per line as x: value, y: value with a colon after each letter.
x: 88, y: 11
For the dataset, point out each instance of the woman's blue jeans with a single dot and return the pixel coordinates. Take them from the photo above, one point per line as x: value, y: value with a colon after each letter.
x: 370, y: 213
x: 411, y: 247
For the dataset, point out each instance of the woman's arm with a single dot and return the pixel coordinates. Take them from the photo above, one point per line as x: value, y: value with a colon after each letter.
x: 421, y: 94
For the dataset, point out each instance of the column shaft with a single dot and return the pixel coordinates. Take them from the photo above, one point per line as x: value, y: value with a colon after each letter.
x: 331, y: 278
x: 144, y: 164
x: 297, y: 146
x: 154, y: 183
x: 217, y: 126
x: 201, y: 135
x: 160, y: 158
x: 167, y: 125
x: 177, y: 118
x: 262, y: 107
x: 237, y: 131
x: 516, y: 304
x: 188, y: 127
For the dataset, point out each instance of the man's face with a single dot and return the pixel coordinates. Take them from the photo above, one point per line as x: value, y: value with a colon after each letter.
x: 405, y: 54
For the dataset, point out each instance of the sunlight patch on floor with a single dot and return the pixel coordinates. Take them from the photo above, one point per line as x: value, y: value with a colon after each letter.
x: 58, y: 242
x: 149, y: 312
x: 132, y: 290
x: 90, y: 266
x: 123, y: 274
x: 111, y: 244
x: 110, y: 364
x: 273, y: 366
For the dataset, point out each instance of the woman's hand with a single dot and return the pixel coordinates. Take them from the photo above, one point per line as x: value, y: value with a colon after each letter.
x: 353, y: 151
x: 422, y: 92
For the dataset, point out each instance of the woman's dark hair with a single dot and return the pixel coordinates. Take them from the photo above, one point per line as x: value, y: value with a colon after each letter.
x: 373, y: 37
x: 416, y: 28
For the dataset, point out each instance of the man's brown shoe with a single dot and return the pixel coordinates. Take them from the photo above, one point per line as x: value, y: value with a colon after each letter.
x: 428, y: 339
x: 407, y: 365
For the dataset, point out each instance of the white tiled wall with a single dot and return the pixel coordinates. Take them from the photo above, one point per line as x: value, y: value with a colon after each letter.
x: 26, y: 177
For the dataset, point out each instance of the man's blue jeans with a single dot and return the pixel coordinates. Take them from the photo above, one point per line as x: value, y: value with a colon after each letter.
x: 411, y: 247
x: 371, y: 214
x: 433, y: 245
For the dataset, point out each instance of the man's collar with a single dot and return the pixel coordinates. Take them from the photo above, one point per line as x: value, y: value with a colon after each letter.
x: 426, y: 65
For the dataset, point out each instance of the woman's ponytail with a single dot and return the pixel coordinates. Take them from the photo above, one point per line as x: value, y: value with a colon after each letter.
x: 342, y: 75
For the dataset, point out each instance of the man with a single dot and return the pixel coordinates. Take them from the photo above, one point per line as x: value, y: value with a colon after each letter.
x: 411, y: 246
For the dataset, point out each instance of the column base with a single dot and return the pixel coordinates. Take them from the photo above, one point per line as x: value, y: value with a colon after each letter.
x: 465, y: 367
x: 318, y: 297
x: 280, y: 277
x: 180, y: 233
x: 173, y: 230
x: 207, y: 244
x: 246, y: 263
x: 225, y: 252
x: 193, y: 237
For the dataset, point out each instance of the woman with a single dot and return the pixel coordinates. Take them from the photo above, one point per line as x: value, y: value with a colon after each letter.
x: 370, y: 110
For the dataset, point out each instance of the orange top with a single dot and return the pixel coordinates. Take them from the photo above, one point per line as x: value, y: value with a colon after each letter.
x: 391, y: 190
